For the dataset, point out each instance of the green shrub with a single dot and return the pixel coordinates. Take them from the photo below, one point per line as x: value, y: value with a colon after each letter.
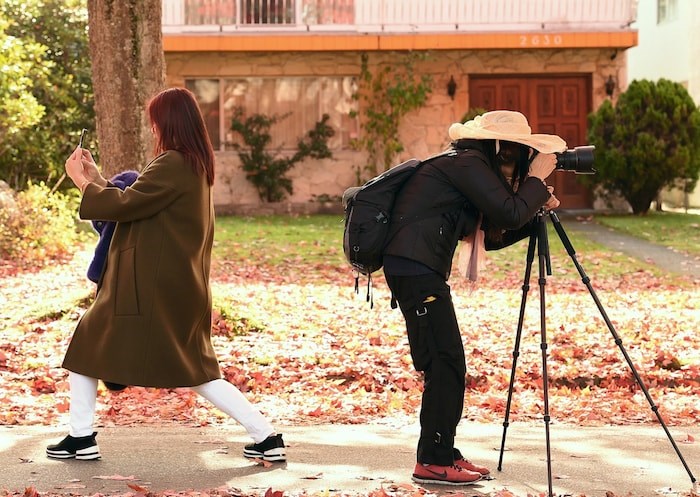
x: 51, y: 37
x: 38, y: 226
x: 387, y: 92
x: 267, y: 169
x: 648, y: 141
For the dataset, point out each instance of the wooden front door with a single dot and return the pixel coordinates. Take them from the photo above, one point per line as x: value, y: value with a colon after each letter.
x: 553, y: 104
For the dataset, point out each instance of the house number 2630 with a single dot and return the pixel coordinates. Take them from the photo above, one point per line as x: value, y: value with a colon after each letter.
x: 540, y: 40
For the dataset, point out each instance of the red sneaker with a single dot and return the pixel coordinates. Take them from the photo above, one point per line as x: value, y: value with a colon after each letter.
x: 470, y: 466
x: 444, y: 475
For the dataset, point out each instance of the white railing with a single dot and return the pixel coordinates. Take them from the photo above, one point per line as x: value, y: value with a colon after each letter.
x: 372, y: 16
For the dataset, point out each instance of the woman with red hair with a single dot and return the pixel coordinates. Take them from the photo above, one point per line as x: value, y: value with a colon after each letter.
x: 150, y: 322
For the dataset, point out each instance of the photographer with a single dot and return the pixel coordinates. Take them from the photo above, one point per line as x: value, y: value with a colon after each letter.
x: 495, y: 178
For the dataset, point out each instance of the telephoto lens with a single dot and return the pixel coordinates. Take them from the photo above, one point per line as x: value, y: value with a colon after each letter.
x: 578, y: 160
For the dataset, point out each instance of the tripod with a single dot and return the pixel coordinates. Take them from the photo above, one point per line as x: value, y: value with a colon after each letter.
x: 538, y: 238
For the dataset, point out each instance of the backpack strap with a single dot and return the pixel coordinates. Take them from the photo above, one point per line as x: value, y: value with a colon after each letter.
x: 370, y: 288
x: 451, y: 152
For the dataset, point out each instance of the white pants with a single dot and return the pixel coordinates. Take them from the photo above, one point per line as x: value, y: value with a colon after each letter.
x: 221, y: 393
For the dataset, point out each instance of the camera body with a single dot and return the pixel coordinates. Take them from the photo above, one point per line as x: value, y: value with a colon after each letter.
x: 578, y: 160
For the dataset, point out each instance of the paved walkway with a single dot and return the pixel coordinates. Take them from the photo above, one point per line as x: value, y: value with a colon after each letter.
x: 634, y: 460
x: 663, y: 257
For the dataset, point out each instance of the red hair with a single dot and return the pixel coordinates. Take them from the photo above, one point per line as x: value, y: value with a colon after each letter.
x: 180, y: 126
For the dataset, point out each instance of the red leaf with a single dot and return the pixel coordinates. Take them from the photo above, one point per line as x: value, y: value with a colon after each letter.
x: 44, y: 384
x: 137, y: 488
x: 274, y: 493
x: 316, y: 412
x: 30, y: 492
x: 262, y: 462
x: 689, y: 439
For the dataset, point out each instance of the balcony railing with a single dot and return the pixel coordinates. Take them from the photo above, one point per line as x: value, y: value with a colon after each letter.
x: 375, y: 16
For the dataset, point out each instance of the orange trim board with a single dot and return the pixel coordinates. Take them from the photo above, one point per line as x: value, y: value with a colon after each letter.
x: 224, y: 42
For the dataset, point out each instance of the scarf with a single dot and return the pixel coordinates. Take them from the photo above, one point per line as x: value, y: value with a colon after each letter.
x: 472, y: 253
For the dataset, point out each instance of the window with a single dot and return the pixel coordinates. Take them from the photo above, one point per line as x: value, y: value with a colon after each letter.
x: 267, y: 12
x: 305, y: 100
x: 239, y: 11
x: 667, y: 10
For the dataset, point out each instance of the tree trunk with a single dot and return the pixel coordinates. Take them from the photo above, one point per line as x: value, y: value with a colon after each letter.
x: 128, y: 67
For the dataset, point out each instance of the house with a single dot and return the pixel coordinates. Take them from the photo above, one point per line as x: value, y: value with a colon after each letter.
x: 669, y: 27
x: 553, y: 60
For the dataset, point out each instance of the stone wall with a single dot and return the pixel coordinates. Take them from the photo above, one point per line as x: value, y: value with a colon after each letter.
x: 424, y: 132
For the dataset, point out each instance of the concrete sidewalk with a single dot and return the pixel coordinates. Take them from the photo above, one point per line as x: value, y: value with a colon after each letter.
x: 637, y: 460
x: 650, y: 253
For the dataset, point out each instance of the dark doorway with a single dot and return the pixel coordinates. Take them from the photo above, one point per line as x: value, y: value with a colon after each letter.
x: 552, y: 104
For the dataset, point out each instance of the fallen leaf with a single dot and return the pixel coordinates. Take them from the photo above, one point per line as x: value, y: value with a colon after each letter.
x: 379, y: 493
x: 137, y: 488
x: 273, y: 493
x: 507, y: 493
x: 264, y: 464
x: 689, y: 439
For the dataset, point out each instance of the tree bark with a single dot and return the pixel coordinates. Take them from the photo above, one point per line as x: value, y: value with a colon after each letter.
x: 128, y: 67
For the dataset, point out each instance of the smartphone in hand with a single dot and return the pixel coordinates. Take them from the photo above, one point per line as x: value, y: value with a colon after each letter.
x: 82, y: 136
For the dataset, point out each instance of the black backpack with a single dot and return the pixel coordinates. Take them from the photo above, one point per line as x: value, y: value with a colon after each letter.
x: 368, y: 216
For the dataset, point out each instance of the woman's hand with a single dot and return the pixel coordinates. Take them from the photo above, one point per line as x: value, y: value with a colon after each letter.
x: 543, y: 165
x: 74, y: 168
x: 90, y: 170
x: 552, y: 202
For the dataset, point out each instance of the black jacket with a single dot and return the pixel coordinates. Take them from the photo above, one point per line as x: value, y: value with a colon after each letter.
x: 441, y: 202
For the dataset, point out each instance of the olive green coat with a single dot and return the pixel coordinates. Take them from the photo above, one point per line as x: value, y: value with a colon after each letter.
x: 150, y: 323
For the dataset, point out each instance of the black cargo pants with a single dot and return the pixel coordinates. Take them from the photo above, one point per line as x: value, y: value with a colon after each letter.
x: 437, y: 351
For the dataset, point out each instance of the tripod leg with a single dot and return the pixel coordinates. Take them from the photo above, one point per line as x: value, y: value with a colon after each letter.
x: 618, y: 341
x: 516, y: 348
x: 544, y: 268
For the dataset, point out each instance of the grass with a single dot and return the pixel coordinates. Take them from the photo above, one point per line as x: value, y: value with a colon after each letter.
x: 676, y: 230
x: 278, y: 239
x: 317, y: 240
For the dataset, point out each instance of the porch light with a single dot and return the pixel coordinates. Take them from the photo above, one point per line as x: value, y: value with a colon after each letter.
x: 451, y: 87
x: 610, y: 86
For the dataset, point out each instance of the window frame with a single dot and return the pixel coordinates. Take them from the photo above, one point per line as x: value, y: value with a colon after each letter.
x: 666, y: 11
x: 222, y: 113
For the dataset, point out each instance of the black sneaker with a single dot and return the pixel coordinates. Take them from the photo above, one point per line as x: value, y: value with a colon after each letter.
x: 82, y: 448
x: 114, y: 387
x: 271, y: 449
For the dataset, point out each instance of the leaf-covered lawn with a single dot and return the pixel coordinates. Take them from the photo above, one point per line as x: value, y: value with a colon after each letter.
x: 307, y: 349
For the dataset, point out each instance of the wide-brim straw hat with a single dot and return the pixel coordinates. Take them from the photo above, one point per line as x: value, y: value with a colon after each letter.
x: 506, y: 125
